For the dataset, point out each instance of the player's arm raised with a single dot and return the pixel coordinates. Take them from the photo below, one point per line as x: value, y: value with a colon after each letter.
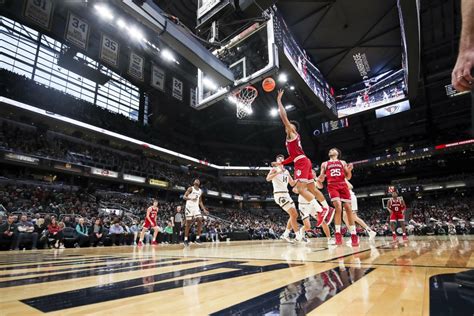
x: 348, y: 169
x: 272, y: 174
x: 290, y: 130
x: 187, y: 193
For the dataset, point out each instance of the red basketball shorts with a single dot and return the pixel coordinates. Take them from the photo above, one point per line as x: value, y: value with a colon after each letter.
x: 304, y: 170
x: 397, y: 216
x: 339, y: 191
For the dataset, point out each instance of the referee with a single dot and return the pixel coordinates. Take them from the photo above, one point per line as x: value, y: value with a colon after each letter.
x: 177, y: 221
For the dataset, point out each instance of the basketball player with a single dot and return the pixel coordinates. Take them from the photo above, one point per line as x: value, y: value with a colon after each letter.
x: 336, y: 171
x: 356, y: 217
x: 396, y: 206
x: 303, y: 168
x: 280, y: 178
x: 150, y: 223
x: 193, y: 197
x: 306, y: 211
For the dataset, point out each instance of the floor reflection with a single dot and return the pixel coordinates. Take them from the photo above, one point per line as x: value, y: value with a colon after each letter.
x: 299, y: 298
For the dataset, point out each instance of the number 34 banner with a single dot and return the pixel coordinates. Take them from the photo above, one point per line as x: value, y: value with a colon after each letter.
x: 77, y: 31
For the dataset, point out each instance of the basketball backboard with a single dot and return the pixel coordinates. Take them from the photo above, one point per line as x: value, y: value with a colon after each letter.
x: 251, y: 56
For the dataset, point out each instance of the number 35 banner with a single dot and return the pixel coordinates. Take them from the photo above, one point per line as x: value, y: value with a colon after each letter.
x: 40, y: 12
x: 109, y: 50
x: 77, y: 31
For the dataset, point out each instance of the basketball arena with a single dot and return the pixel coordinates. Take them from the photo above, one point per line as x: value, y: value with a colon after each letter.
x: 236, y: 157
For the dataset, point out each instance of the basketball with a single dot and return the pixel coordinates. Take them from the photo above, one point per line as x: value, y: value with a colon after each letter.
x: 268, y: 84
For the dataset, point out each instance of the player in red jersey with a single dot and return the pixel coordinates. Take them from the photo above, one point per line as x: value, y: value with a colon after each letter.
x: 336, y: 172
x: 150, y: 223
x: 396, y: 206
x: 303, y: 168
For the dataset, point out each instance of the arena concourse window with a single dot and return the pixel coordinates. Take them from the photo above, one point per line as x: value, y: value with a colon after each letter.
x: 19, y: 47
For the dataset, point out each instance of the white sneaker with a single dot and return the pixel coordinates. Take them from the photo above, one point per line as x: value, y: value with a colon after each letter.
x: 372, y: 235
x: 331, y: 241
x: 287, y: 239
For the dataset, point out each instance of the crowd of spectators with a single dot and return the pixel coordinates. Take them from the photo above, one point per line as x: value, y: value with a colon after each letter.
x: 43, y: 216
x: 33, y: 140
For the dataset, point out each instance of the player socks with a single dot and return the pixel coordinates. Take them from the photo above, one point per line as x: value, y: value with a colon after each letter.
x: 352, y: 229
x: 325, y: 204
x: 185, y: 238
x: 287, y: 232
x: 315, y: 205
x: 338, y: 228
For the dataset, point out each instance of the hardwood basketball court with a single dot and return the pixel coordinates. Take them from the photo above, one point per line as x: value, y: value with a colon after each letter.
x: 244, y: 278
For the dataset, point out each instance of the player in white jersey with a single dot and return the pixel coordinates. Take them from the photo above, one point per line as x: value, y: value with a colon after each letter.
x: 355, y: 216
x: 307, y: 210
x: 280, y: 178
x: 193, y: 197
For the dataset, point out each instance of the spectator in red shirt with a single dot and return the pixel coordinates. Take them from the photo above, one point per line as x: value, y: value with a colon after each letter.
x: 55, y: 232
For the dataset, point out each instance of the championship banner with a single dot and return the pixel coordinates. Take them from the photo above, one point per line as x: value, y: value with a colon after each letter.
x: 158, y: 78
x: 39, y: 12
x: 77, y: 31
x: 158, y: 183
x: 178, y: 89
x: 132, y: 178
x: 104, y: 172
x: 226, y: 195
x: 22, y: 158
x: 109, y: 50
x: 238, y: 198
x: 136, y: 66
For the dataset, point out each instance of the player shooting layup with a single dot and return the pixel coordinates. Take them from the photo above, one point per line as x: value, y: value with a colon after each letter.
x: 303, y: 168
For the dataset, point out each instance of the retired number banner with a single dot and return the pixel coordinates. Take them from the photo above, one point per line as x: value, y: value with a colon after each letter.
x: 109, y: 50
x: 135, y: 68
x: 158, y: 78
x: 77, y: 31
x: 178, y: 89
x: 40, y: 12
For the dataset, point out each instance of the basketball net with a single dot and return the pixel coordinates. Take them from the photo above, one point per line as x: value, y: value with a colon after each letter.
x: 243, y: 101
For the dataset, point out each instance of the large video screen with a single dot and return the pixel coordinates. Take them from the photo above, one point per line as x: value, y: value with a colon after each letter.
x: 372, y: 93
x: 393, y: 109
x: 301, y: 63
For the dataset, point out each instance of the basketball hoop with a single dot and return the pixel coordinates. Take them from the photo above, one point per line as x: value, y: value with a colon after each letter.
x: 243, y: 100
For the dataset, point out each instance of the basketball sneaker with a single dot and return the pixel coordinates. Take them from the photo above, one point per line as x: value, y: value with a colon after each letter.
x: 405, y: 238
x: 394, y: 238
x: 355, y: 240
x: 287, y: 238
x: 140, y: 244
x: 326, y: 215
x: 338, y: 237
x: 198, y: 241
x: 186, y: 243
x: 331, y: 241
x: 372, y: 235
x: 154, y: 243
